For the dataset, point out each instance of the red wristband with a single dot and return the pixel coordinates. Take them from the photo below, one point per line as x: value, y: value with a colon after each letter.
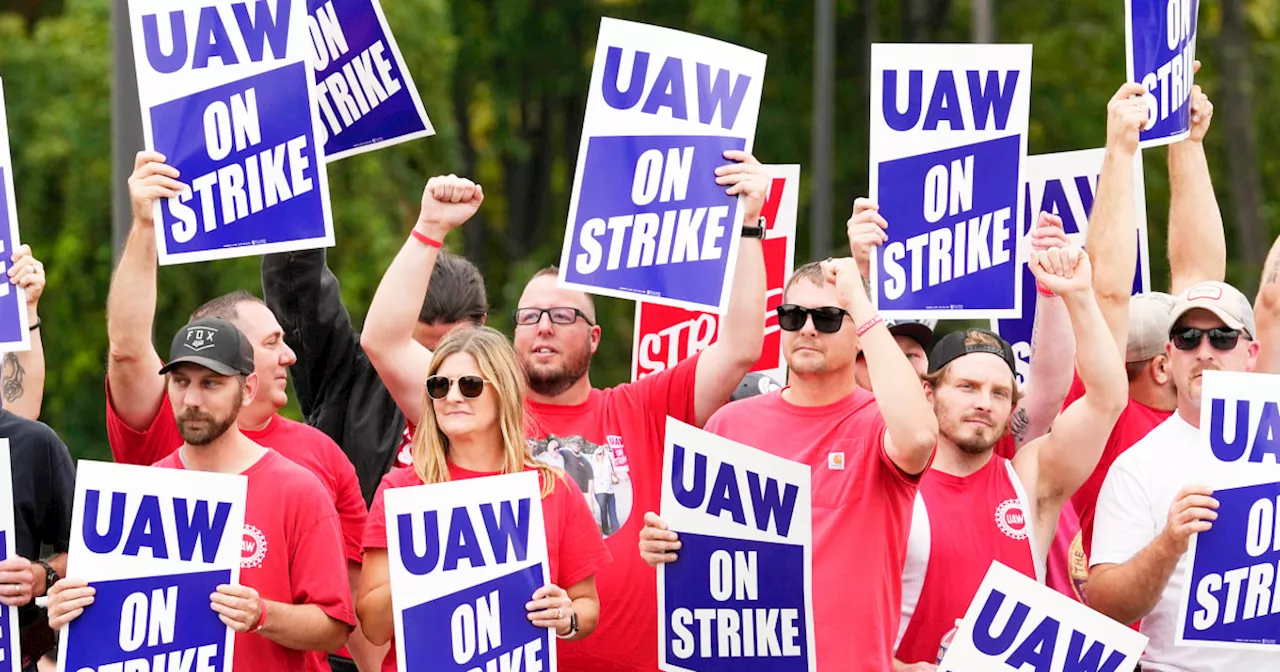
x: 1043, y: 292
x: 868, y: 325
x: 262, y: 620
x: 426, y: 240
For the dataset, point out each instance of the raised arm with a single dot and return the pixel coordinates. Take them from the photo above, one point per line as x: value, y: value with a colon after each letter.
x: 1112, y: 239
x: 23, y: 372
x: 1066, y: 456
x: 912, y: 428
x: 1197, y: 243
x: 1266, y: 310
x: 401, y: 362
x: 723, y: 364
x: 133, y: 365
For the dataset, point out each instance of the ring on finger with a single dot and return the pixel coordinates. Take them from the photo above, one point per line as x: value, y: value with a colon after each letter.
x: 559, y: 613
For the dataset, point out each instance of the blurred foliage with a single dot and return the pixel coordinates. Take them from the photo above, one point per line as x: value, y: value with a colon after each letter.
x: 504, y: 82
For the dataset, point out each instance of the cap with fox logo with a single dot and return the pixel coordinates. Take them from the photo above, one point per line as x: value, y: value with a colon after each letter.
x: 215, y: 344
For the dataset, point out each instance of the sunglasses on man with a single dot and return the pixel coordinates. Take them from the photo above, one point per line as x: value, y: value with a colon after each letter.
x: 827, y: 319
x: 1189, y: 338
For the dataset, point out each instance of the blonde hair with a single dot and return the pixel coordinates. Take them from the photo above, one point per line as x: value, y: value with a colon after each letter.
x: 974, y: 337
x: 498, y: 364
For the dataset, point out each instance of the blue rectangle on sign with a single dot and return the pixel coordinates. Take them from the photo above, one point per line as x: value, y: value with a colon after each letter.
x: 246, y: 152
x: 1234, y: 572
x: 966, y: 258
x: 8, y: 628
x: 361, y: 88
x: 748, y: 594
x: 141, y: 619
x: 10, y: 307
x: 666, y: 233
x: 481, y: 627
x: 1163, y: 34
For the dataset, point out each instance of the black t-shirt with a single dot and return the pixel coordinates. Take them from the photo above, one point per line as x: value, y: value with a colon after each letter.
x: 43, y: 488
x: 578, y: 467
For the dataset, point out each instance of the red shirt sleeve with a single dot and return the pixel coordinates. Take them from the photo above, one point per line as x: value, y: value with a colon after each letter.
x: 581, y: 550
x: 375, y: 527
x: 129, y: 446
x: 1076, y: 391
x: 350, y: 503
x: 669, y: 392
x: 317, y: 568
x: 876, y: 434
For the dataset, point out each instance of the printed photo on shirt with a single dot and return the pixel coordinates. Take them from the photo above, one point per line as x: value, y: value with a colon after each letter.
x: 594, y: 468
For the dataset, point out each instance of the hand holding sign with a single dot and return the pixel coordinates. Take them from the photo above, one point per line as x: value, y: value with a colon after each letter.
x: 447, y: 202
x: 866, y: 229
x: 1193, y: 511
x: 1126, y: 117
x: 1201, y: 111
x: 658, y: 544
x: 551, y: 608
x: 27, y: 272
x: 67, y: 600
x: 238, y: 607
x: 16, y: 581
x: 152, y: 179
x: 745, y: 178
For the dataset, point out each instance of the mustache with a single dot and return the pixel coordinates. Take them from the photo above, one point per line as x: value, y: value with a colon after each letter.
x: 194, y: 414
x: 1201, y: 368
x: 981, y: 417
x: 808, y: 343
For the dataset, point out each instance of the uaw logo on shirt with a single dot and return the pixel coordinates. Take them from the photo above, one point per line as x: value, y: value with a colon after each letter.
x: 200, y: 338
x: 1011, y: 519
x: 253, y: 547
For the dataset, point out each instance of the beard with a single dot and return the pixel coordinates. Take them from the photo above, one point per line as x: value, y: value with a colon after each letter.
x: 969, y: 439
x: 212, y: 428
x: 551, y: 380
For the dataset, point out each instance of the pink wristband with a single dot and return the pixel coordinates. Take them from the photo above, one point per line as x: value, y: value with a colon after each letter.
x: 426, y: 240
x: 868, y: 325
x: 262, y: 620
x: 1043, y: 292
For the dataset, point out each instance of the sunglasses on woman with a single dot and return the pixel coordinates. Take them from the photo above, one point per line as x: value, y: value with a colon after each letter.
x: 826, y: 320
x: 470, y: 386
x: 1189, y: 338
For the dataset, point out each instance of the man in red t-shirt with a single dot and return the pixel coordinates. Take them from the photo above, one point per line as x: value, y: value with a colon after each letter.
x: 289, y: 600
x: 140, y: 420
x: 866, y: 453
x: 555, y: 336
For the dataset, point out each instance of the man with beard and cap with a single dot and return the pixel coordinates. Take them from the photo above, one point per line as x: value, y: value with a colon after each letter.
x: 292, y: 595
x: 1154, y: 500
x: 974, y: 506
x: 556, y: 334
x: 867, y: 454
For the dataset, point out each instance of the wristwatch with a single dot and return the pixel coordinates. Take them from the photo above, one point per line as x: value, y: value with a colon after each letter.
x: 761, y: 230
x: 573, y: 625
x: 50, y: 575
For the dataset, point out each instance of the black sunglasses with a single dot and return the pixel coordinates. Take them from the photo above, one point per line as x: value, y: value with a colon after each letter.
x: 1189, y: 338
x: 470, y: 386
x: 827, y: 319
x: 560, y: 315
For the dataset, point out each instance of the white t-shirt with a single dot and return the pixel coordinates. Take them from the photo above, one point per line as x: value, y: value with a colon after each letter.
x: 602, y: 469
x: 1133, y: 507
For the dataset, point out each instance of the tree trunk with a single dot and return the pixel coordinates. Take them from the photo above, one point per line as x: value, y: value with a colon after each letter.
x: 1244, y: 183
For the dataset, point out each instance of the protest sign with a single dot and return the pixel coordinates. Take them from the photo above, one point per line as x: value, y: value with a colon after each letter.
x: 647, y: 220
x: 1160, y: 49
x: 1240, y: 428
x: 666, y: 336
x: 1015, y: 622
x: 155, y: 544
x: 948, y: 136
x: 10, y: 654
x: 366, y: 96
x: 228, y: 98
x: 1227, y: 603
x: 739, y: 597
x: 1064, y: 184
x: 465, y: 557
x: 14, y: 335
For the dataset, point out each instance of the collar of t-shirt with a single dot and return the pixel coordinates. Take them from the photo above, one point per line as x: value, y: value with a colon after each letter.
x: 857, y: 399
x: 266, y: 457
x: 563, y: 409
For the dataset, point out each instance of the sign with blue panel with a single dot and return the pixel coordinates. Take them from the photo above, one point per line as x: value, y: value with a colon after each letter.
x: 229, y: 98
x: 1160, y: 48
x: 14, y: 335
x: 155, y: 544
x: 948, y: 137
x: 10, y: 652
x: 465, y: 557
x: 739, y: 597
x: 647, y: 220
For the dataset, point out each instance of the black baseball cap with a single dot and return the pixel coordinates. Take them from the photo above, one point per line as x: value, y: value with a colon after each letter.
x: 215, y: 344
x: 919, y: 331
x: 952, y: 347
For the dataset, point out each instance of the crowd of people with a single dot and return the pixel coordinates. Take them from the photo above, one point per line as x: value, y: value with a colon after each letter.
x: 928, y: 460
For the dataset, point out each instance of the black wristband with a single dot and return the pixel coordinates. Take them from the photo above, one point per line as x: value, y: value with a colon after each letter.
x: 50, y: 574
x: 35, y: 325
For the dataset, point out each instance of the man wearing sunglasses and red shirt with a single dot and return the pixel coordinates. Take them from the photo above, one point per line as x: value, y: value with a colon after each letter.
x: 866, y: 452
x: 1152, y: 500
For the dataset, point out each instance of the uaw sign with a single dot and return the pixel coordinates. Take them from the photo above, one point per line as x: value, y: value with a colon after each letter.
x: 155, y: 544
x: 229, y: 98
x: 948, y: 136
x: 739, y: 597
x: 666, y: 336
x: 14, y: 335
x: 1064, y: 184
x: 647, y: 220
x: 1160, y: 47
x: 465, y: 557
x: 10, y: 652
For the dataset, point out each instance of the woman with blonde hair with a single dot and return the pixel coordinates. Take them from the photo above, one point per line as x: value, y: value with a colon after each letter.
x: 472, y: 426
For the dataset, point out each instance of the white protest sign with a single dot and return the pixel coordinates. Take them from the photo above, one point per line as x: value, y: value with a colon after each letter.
x: 746, y: 557
x: 1240, y: 427
x: 10, y: 653
x: 948, y: 136
x: 465, y: 556
x: 1015, y: 622
x: 647, y: 220
x: 155, y: 544
x: 14, y: 335
x: 228, y: 97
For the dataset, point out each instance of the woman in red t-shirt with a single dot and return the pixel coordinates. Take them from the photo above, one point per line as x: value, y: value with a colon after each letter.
x: 472, y: 426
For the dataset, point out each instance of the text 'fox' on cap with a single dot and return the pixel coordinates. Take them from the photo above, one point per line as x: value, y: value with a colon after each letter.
x: 215, y: 344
